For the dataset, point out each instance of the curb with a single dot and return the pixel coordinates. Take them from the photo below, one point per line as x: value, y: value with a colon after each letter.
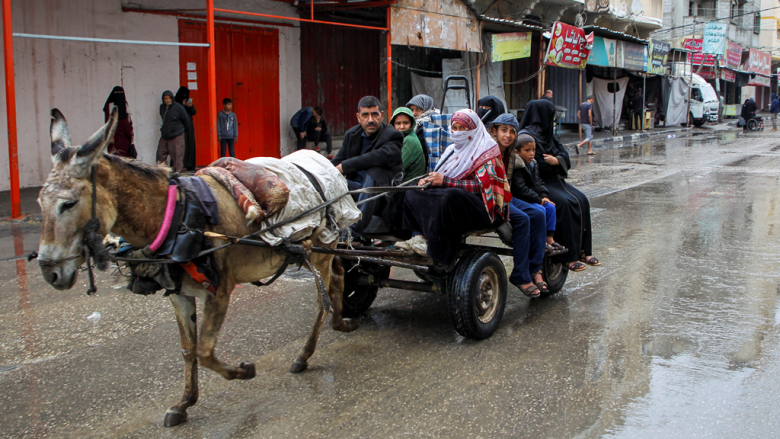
x: 631, y: 137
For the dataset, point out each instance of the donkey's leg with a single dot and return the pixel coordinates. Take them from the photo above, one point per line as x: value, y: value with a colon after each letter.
x: 214, y: 310
x: 334, y: 282
x: 302, y: 361
x: 336, y: 293
x: 184, y: 307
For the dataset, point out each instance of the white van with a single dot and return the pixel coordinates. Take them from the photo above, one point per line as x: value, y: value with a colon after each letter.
x: 704, y: 104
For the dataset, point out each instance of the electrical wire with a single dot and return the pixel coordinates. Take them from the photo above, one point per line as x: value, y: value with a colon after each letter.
x: 715, y: 19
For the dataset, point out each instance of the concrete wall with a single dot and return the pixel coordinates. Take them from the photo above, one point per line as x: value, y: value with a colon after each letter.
x: 76, y: 77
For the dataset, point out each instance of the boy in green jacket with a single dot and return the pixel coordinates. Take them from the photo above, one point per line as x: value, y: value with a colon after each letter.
x: 412, y: 152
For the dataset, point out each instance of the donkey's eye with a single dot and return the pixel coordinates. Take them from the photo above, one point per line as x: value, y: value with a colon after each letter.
x: 67, y: 205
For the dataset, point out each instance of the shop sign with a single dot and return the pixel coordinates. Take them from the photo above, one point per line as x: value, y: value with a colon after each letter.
x: 759, y: 62
x: 706, y: 73
x: 760, y: 81
x: 733, y: 57
x: 567, y: 47
x: 604, y: 52
x: 715, y: 38
x: 510, y: 46
x: 728, y: 75
x: 659, y: 51
x: 697, y: 57
x: 634, y: 57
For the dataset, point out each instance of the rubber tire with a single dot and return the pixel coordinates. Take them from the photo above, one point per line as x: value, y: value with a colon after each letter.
x: 357, y: 304
x: 752, y: 125
x: 698, y: 123
x: 554, y: 274
x: 463, y: 293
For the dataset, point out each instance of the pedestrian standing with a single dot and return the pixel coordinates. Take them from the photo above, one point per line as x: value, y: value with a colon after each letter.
x: 174, y: 123
x: 227, y: 128
x: 122, y: 143
x: 585, y: 115
x: 774, y: 109
x: 637, y: 105
x: 183, y: 97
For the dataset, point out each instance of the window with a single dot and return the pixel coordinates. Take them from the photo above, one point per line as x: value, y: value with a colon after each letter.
x: 757, y: 23
x: 692, y: 9
x: 696, y: 95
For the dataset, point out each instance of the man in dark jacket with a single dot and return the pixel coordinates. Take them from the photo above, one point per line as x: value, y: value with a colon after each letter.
x: 370, y: 155
x: 174, y: 124
x: 637, y: 105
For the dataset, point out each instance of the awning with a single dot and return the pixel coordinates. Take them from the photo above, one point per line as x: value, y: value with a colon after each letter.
x: 427, y: 26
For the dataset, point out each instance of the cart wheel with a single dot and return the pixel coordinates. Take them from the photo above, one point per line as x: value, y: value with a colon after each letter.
x: 554, y: 274
x: 477, y: 294
x: 752, y: 124
x: 358, y: 298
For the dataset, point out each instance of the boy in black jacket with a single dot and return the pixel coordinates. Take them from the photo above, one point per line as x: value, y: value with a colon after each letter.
x: 528, y: 186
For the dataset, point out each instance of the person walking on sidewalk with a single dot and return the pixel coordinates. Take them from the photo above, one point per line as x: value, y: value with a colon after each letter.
x: 585, y: 116
x: 774, y: 109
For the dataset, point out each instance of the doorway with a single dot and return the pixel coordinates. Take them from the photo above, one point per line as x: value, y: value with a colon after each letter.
x: 247, y: 67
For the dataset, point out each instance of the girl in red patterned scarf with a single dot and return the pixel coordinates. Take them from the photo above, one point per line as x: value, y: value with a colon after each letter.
x: 470, y: 193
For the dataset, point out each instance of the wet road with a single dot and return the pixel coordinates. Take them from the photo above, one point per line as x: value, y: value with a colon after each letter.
x: 676, y: 335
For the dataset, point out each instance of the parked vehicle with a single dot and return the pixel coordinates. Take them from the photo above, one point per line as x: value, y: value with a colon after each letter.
x: 704, y: 103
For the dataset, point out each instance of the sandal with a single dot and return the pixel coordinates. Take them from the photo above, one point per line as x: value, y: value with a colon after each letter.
x: 558, y: 247
x: 531, y: 291
x: 590, y: 260
x: 542, y: 285
x: 576, y: 266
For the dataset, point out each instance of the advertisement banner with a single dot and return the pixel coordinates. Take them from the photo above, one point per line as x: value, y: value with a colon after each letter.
x: 659, y: 52
x: 706, y: 72
x: 759, y: 62
x: 603, y: 53
x: 715, y: 38
x: 760, y: 81
x: 567, y: 47
x: 510, y: 46
x: 634, y: 57
x: 697, y: 57
x: 733, y: 57
x: 728, y: 75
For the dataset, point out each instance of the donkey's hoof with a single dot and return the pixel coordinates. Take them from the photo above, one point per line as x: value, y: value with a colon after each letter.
x: 249, y: 370
x: 298, y: 366
x: 347, y: 325
x: 174, y: 417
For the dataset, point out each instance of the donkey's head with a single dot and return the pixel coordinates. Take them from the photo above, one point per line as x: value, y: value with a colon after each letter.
x: 66, y: 200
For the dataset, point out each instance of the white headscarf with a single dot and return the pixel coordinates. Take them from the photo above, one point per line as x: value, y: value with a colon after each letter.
x: 468, y: 148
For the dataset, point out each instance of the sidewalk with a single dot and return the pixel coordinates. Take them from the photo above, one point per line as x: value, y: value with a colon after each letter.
x: 605, y: 139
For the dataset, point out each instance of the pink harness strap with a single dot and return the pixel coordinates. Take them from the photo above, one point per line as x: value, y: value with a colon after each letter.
x: 166, y: 225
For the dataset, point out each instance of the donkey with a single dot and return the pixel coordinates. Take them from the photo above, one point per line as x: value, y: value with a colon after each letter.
x: 130, y: 202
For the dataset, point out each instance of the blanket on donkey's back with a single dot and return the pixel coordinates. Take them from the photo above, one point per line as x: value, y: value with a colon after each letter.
x: 304, y: 196
x: 259, y: 193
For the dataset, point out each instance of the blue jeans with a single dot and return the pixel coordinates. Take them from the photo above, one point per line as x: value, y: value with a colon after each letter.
x: 549, y: 216
x: 366, y: 209
x: 528, y: 240
x: 230, y: 143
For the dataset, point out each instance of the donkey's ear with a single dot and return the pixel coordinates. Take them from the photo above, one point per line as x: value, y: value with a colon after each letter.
x: 96, y: 144
x: 60, y: 135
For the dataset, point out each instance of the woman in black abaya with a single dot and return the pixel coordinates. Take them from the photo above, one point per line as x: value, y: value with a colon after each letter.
x: 183, y: 97
x: 573, y: 229
x: 490, y: 106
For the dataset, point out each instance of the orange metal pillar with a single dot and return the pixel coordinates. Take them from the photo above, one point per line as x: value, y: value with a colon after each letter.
x: 10, y: 107
x: 211, y: 81
x: 389, y: 71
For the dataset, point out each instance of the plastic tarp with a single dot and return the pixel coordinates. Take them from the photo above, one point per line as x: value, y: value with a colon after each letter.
x: 604, y: 99
x: 304, y: 196
x: 677, y: 109
x: 433, y: 87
